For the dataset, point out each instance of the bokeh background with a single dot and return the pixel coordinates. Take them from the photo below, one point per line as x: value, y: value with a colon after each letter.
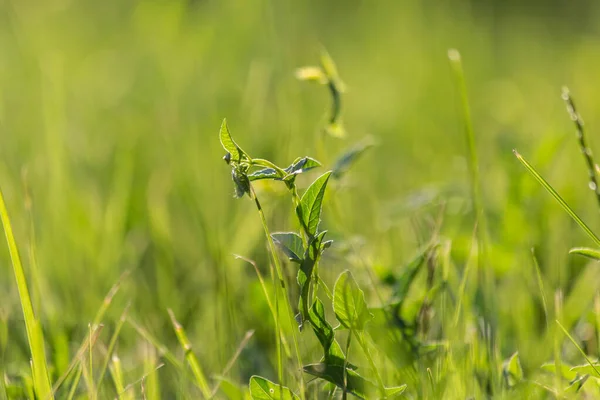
x: 110, y: 159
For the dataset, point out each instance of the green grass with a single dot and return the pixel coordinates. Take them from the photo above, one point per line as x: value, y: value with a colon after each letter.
x: 124, y: 214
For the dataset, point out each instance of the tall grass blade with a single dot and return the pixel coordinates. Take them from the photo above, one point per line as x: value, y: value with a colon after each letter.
x: 484, y: 272
x: 190, y: 356
x: 578, y: 348
x: 558, y: 198
x: 112, y: 343
x: 35, y: 335
x: 87, y: 344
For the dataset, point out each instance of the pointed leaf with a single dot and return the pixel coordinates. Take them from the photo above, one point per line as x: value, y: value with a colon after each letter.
x: 587, y: 369
x: 393, y: 392
x: 290, y: 243
x: 237, y: 154
x: 263, y: 389
x: 586, y: 251
x: 309, y: 209
x: 512, y: 370
x: 355, y: 384
x: 265, y: 173
x: 576, y: 384
x: 302, y: 164
x: 565, y: 370
x: 345, y: 161
x: 349, y: 303
x: 333, y: 354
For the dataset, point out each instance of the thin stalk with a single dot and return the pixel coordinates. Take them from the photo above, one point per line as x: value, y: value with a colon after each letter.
x: 75, y: 383
x: 89, y: 342
x: 112, y: 343
x: 281, y: 286
x: 578, y: 348
x: 347, y: 353
x: 35, y: 335
x: 485, y: 277
x: 92, y: 387
x: 116, y: 372
x: 558, y: 198
x: 583, y: 145
x: 267, y: 297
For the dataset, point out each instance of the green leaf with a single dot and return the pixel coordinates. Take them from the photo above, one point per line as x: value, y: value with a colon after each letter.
x: 263, y: 389
x: 393, y: 392
x: 349, y: 303
x: 265, y: 173
x: 512, y: 370
x: 237, y: 154
x: 576, y: 384
x: 302, y: 164
x: 307, y: 265
x: 309, y: 209
x: 587, y: 369
x: 241, y: 183
x: 565, y: 370
x: 586, y: 251
x: 355, y: 384
x: 291, y: 244
x: 345, y: 161
x: 333, y: 354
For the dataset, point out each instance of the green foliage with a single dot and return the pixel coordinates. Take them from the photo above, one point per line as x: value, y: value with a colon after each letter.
x: 263, y: 389
x: 349, y: 303
x: 309, y: 209
x: 108, y: 163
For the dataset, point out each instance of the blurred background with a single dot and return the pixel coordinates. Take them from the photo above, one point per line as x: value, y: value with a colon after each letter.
x: 110, y: 159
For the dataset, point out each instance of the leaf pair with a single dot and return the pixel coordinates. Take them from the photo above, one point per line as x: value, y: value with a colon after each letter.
x: 300, y: 165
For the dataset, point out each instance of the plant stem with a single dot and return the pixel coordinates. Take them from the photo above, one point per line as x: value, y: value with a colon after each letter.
x: 280, y: 286
x: 583, y: 145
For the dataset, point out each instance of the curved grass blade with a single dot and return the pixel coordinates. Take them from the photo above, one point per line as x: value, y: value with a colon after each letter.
x: 35, y: 335
x: 558, y: 198
x: 579, y: 348
x: 586, y: 252
x: 190, y: 356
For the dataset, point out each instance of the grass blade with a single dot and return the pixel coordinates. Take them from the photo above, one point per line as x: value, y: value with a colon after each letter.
x: 190, y: 356
x: 88, y: 343
x: 557, y: 197
x: 112, y: 343
x: 579, y: 348
x: 35, y: 335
